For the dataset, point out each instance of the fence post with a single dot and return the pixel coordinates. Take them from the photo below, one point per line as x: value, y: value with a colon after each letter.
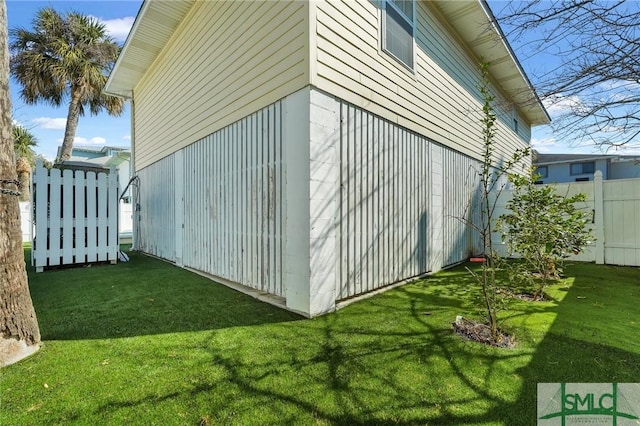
x: 598, y: 205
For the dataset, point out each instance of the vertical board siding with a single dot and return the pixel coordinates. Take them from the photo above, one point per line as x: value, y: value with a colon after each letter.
x: 156, y: 216
x: 233, y: 198
x: 76, y: 217
x: 460, y: 191
x: 406, y: 204
x: 385, y: 203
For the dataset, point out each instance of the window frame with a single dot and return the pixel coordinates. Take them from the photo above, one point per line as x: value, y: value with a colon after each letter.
x: 410, y: 21
x: 581, y: 164
x: 542, y: 175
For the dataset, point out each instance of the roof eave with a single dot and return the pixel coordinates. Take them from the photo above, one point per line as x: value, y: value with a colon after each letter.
x: 478, y: 28
x: 152, y: 29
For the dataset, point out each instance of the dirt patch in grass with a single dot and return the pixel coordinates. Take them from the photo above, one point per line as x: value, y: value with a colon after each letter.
x: 528, y: 297
x: 480, y: 332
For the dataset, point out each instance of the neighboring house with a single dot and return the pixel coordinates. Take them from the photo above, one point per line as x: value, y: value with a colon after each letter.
x: 102, y: 158
x: 314, y: 150
x: 558, y: 168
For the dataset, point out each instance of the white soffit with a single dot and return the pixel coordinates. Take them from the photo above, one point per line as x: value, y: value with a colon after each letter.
x: 475, y: 24
x: 156, y: 22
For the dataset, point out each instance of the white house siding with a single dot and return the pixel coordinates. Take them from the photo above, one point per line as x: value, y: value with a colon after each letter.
x: 324, y: 200
x: 311, y: 199
x: 155, y: 223
x: 439, y: 100
x: 226, y: 60
x: 386, y: 204
x: 233, y: 202
x: 460, y: 206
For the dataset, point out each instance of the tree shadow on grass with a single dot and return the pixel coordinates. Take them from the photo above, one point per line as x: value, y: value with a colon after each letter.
x: 594, y: 337
x: 371, y: 363
x: 142, y: 297
x: 391, y: 359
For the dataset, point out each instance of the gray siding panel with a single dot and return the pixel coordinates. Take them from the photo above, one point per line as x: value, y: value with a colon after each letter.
x: 460, y: 186
x: 405, y: 204
x: 156, y: 226
x: 233, y: 202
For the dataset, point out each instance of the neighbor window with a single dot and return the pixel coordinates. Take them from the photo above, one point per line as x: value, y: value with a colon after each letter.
x: 582, y: 168
x: 543, y: 171
x: 397, y: 30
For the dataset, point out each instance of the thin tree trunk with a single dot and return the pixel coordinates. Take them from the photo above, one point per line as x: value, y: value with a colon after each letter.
x: 19, y: 332
x: 70, y: 129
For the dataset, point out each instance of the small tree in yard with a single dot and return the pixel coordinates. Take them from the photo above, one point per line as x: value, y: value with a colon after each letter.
x: 543, y: 227
x: 492, y: 181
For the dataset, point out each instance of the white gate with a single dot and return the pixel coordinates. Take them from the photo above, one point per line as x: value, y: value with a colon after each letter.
x: 76, y: 217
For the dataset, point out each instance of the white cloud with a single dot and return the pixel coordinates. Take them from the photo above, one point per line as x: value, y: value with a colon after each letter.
x: 562, y: 104
x: 50, y: 123
x: 79, y: 140
x: 544, y: 145
x: 118, y: 28
x: 97, y: 140
x: 127, y: 137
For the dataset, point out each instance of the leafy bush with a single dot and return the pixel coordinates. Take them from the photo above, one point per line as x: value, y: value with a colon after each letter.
x: 543, y: 228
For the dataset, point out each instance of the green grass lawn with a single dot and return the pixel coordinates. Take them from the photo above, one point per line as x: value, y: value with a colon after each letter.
x: 151, y: 344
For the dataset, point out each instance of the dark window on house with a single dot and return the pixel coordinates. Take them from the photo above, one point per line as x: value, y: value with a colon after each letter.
x: 586, y: 179
x: 515, y: 125
x: 582, y: 168
x: 543, y: 171
x: 398, y: 29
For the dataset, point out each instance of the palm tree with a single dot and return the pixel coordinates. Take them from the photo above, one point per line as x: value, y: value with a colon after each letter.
x: 65, y: 59
x: 19, y: 332
x: 23, y: 143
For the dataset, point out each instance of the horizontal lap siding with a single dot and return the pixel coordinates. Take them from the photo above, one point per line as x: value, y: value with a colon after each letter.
x: 440, y: 101
x: 395, y: 187
x: 155, y: 231
x: 225, y: 61
x: 233, y: 198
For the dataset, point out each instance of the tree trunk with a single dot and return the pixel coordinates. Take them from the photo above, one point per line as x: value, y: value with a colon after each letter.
x: 71, y: 127
x: 19, y: 333
x: 24, y: 177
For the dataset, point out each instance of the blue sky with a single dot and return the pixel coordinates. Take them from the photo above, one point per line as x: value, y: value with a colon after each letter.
x: 47, y: 123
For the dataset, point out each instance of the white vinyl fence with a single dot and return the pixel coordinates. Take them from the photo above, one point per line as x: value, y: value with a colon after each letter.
x: 614, y: 206
x: 75, y: 217
x: 25, y: 221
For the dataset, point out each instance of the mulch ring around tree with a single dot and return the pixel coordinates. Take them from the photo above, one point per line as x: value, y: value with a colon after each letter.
x: 527, y: 297
x: 481, y: 333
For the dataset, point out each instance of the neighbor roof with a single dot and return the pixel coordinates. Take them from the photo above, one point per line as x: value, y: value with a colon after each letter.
x: 473, y: 21
x: 544, y: 159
